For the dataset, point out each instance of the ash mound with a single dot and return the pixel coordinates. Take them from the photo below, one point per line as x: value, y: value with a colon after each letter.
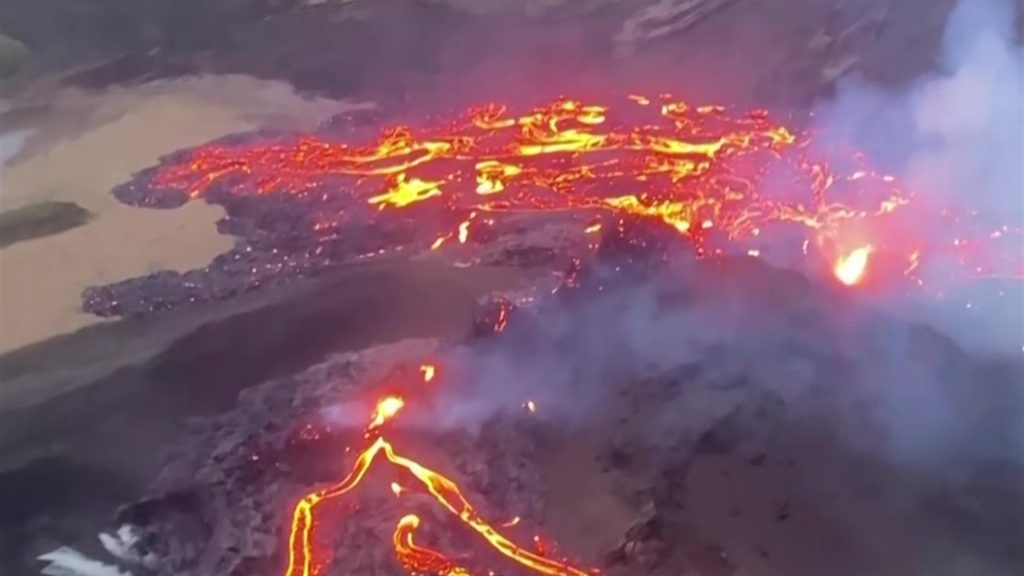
x: 709, y: 417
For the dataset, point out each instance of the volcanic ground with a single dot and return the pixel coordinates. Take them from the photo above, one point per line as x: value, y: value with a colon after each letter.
x: 582, y: 327
x: 646, y: 418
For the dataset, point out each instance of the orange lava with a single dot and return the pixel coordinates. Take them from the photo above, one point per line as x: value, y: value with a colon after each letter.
x: 419, y: 560
x: 723, y: 182
x: 428, y: 371
x: 302, y: 555
x: 850, y: 268
x: 386, y: 408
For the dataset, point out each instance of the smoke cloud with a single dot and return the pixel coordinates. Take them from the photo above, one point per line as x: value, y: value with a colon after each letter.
x: 956, y: 138
x: 900, y: 391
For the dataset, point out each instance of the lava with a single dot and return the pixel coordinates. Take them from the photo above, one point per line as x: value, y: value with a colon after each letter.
x: 724, y: 182
x: 850, y: 268
x: 302, y: 554
x: 419, y: 560
x: 386, y: 408
x: 501, y: 322
x: 428, y: 371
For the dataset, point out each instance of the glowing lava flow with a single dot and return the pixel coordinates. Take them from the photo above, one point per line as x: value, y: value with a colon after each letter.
x: 301, y: 552
x: 419, y: 560
x: 722, y: 182
x: 428, y: 371
x: 385, y: 410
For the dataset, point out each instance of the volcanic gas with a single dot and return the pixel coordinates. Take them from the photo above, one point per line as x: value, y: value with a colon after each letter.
x: 725, y: 183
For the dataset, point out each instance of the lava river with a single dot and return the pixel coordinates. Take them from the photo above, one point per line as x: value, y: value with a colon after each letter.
x: 304, y: 560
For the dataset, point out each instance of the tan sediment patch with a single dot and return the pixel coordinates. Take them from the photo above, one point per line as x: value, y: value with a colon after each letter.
x: 90, y: 141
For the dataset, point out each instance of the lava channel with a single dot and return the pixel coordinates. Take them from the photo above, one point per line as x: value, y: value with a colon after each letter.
x: 302, y: 556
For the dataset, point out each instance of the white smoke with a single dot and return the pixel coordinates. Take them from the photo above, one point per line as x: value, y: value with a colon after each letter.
x: 346, y: 414
x: 743, y: 322
x: 956, y: 137
x: 570, y: 355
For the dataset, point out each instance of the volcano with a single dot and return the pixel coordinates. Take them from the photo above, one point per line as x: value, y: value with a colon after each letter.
x: 657, y: 316
x: 663, y: 355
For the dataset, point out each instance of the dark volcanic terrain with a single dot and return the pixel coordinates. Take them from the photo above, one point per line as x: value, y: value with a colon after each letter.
x: 703, y: 419
x: 774, y: 431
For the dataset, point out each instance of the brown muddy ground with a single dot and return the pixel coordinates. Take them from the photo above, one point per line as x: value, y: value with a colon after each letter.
x: 75, y: 146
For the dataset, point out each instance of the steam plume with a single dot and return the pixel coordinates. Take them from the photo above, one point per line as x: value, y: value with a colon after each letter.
x: 956, y: 137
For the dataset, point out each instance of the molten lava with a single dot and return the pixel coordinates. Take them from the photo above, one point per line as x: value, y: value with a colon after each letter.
x: 850, y: 268
x: 303, y: 557
x: 722, y: 182
x: 428, y: 371
x: 736, y: 183
x: 386, y: 408
x: 419, y: 560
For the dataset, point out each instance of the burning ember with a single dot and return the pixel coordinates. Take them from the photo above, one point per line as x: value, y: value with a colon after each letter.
x: 721, y: 182
x: 303, y: 558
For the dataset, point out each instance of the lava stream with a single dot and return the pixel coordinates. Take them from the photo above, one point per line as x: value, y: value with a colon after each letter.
x: 417, y: 559
x: 301, y: 552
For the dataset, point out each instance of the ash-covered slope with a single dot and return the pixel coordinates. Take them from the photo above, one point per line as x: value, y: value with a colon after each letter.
x: 713, y: 417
